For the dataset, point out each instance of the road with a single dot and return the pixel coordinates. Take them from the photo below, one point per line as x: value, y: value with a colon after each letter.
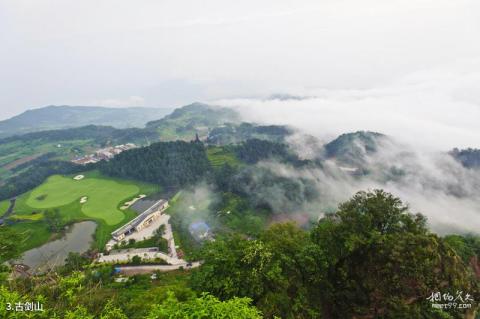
x: 146, y: 269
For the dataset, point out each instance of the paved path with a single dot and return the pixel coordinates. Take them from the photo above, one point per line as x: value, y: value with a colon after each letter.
x: 124, y: 255
x: 145, y: 269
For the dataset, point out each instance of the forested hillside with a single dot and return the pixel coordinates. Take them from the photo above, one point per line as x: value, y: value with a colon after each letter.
x: 58, y: 117
x: 352, y: 148
x: 232, y: 134
x: 196, y: 118
x: 170, y: 164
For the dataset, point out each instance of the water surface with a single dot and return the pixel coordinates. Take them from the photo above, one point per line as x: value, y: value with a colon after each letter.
x: 78, y: 239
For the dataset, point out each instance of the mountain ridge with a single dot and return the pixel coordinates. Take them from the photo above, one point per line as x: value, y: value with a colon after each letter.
x: 65, y: 116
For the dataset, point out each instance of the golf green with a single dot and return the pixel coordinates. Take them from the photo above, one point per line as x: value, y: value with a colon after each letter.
x: 103, y: 196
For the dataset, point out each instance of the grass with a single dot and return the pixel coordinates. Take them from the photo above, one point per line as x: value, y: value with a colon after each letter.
x: 218, y: 156
x: 3, y: 207
x: 32, y: 234
x: 237, y: 216
x: 105, y: 196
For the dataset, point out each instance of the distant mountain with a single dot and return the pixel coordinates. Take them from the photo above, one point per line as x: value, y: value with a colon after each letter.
x: 469, y: 158
x: 196, y: 118
x: 353, y: 148
x: 59, y: 117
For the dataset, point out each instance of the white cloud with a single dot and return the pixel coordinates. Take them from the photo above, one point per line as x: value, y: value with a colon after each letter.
x: 434, y: 109
x: 120, y: 102
x: 63, y: 52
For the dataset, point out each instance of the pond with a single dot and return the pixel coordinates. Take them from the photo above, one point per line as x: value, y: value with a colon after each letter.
x: 78, y: 239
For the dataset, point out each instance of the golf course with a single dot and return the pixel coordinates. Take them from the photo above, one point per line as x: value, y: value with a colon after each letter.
x: 103, y: 196
x: 74, y: 198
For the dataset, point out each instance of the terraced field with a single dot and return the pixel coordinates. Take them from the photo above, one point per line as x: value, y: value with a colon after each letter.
x: 218, y: 156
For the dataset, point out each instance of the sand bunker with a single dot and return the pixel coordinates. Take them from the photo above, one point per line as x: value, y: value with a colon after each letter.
x: 79, y: 177
x: 83, y: 200
x: 130, y: 203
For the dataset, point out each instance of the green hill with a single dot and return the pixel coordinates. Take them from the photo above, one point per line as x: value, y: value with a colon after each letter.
x: 353, y: 148
x: 56, y: 117
x: 196, y: 118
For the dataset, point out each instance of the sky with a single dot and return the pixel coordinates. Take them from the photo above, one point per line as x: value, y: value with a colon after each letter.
x: 360, y: 63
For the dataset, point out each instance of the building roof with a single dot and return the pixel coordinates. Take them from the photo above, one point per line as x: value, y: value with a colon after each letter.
x: 139, y: 219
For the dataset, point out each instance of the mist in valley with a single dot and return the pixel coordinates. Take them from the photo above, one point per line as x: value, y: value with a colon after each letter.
x: 423, y: 116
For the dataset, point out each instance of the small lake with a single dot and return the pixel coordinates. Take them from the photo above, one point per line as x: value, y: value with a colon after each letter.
x: 78, y: 238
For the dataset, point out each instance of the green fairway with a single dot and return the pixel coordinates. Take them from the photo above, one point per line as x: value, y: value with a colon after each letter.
x: 63, y: 193
x: 103, y: 196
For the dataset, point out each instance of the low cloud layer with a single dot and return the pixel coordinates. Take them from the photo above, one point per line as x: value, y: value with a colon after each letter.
x: 433, y: 184
x: 436, y: 109
x: 426, y: 114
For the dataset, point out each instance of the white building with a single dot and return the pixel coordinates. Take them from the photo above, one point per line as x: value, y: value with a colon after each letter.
x: 141, y: 221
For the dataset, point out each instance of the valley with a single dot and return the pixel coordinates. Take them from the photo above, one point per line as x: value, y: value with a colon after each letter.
x: 244, y: 213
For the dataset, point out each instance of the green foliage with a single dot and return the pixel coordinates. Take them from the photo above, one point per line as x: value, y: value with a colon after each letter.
x: 55, y: 117
x: 263, y: 188
x: 233, y: 134
x: 10, y: 298
x: 270, y: 270
x: 382, y: 260
x: 204, y: 307
x: 53, y: 220
x: 35, y: 176
x: 189, y: 120
x: 351, y: 148
x: 136, y: 260
x: 169, y: 164
x: 74, y: 262
x: 9, y: 247
x: 254, y: 150
x: 465, y: 246
x: 371, y: 258
x: 219, y: 156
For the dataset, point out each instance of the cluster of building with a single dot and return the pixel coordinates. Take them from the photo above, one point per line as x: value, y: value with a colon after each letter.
x: 140, y: 222
x: 141, y: 228
x: 103, y: 154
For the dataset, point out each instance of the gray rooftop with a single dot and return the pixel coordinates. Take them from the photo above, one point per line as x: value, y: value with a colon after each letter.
x: 139, y: 219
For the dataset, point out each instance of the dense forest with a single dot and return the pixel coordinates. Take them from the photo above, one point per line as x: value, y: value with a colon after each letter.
x: 99, y: 134
x: 232, y: 134
x: 254, y: 150
x: 351, y: 148
x: 170, y: 164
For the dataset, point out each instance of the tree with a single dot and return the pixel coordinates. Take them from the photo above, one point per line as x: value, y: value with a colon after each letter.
x: 370, y: 259
x: 383, y: 262
x: 204, y: 307
x: 53, y: 220
x: 270, y: 270
x: 9, y: 247
x: 74, y: 262
x: 136, y: 260
x: 170, y: 164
